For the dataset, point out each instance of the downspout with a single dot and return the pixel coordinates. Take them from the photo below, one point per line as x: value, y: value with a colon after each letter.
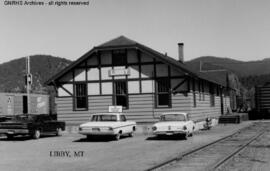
x: 153, y: 96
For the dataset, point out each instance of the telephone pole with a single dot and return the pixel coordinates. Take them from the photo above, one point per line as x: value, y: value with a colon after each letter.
x: 28, y: 83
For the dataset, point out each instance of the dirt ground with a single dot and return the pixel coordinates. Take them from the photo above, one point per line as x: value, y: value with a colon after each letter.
x: 74, y: 152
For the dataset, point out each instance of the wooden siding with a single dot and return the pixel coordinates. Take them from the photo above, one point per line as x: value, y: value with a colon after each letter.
x: 141, y: 107
x: 204, y: 109
x: 96, y: 104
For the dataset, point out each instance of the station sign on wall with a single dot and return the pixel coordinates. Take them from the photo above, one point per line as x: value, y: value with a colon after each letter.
x: 117, y: 109
x: 119, y: 72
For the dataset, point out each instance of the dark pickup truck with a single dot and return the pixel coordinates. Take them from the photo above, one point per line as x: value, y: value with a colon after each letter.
x: 31, y: 124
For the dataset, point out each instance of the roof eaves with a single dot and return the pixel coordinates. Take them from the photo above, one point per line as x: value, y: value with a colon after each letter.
x: 115, y: 47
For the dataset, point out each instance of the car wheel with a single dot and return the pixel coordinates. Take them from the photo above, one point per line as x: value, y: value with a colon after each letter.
x: 36, y: 134
x: 191, y: 134
x: 186, y: 136
x: 9, y: 137
x: 58, y: 132
x: 117, y: 136
x: 88, y: 137
x: 131, y: 134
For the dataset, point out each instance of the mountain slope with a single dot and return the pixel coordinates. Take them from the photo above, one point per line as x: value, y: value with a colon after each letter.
x: 42, y: 68
x: 242, y: 69
x: 251, y: 73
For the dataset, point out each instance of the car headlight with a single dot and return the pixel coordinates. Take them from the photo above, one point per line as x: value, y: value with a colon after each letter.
x: 154, y: 128
x: 185, y: 127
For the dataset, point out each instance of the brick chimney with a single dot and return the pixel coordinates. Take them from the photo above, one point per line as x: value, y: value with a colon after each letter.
x: 181, y: 52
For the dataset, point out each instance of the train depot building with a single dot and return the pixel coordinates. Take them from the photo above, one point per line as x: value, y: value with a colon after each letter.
x: 143, y: 81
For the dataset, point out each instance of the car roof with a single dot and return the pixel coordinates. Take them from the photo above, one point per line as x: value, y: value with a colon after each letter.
x: 176, y: 113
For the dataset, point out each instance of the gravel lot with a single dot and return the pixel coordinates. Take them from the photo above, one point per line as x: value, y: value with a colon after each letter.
x: 137, y: 153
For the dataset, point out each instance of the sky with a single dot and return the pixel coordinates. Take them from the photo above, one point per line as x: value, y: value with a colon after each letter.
x: 238, y: 29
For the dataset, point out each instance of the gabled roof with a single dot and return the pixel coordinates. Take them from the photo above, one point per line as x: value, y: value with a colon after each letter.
x: 119, y: 41
x: 123, y: 42
x: 217, y: 73
x: 219, y: 76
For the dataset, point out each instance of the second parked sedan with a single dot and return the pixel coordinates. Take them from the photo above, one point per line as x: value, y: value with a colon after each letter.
x: 114, y: 124
x: 174, y: 123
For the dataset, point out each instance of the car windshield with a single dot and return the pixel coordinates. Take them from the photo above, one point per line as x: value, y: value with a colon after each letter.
x: 173, y: 117
x: 103, y: 118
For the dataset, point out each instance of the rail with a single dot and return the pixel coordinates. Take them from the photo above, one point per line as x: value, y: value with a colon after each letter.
x: 218, y: 164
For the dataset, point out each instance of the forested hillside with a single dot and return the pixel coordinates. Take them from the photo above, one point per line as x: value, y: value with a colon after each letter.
x: 250, y: 73
x: 42, y: 68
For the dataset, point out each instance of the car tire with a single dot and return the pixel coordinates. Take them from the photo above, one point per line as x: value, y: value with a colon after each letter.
x: 131, y: 134
x: 191, y: 134
x: 117, y: 136
x: 59, y: 132
x: 10, y: 137
x: 88, y: 137
x: 185, y: 136
x: 36, y: 134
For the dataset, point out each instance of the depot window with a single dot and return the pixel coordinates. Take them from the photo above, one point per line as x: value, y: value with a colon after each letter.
x: 80, y: 99
x: 163, y: 97
x: 119, y: 57
x: 120, y: 94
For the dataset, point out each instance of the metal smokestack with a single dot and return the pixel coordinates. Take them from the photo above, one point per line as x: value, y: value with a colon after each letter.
x: 181, y: 52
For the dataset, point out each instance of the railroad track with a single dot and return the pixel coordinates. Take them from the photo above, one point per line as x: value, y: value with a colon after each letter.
x: 214, y: 155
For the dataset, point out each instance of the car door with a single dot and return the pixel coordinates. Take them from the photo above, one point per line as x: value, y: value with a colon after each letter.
x: 48, y: 124
x: 123, y: 123
x: 53, y: 124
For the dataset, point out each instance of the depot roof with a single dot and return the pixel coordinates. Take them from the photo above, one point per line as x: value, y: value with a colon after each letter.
x: 124, y: 42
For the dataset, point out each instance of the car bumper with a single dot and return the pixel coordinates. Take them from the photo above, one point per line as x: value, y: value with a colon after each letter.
x: 97, y: 132
x: 14, y: 131
x: 169, y: 132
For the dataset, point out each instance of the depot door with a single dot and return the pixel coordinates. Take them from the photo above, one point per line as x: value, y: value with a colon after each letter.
x: 221, y: 102
x: 25, y: 105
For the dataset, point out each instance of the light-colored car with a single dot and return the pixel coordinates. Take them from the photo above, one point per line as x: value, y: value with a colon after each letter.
x: 173, y: 123
x: 114, y: 124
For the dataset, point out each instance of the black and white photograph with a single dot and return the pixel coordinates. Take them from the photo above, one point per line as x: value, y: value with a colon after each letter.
x: 125, y: 85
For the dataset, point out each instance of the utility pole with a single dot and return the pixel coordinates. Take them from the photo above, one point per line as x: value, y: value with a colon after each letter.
x: 28, y: 83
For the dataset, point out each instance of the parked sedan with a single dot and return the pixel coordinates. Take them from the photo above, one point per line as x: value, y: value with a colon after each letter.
x: 31, y: 124
x: 114, y: 124
x: 174, y: 123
